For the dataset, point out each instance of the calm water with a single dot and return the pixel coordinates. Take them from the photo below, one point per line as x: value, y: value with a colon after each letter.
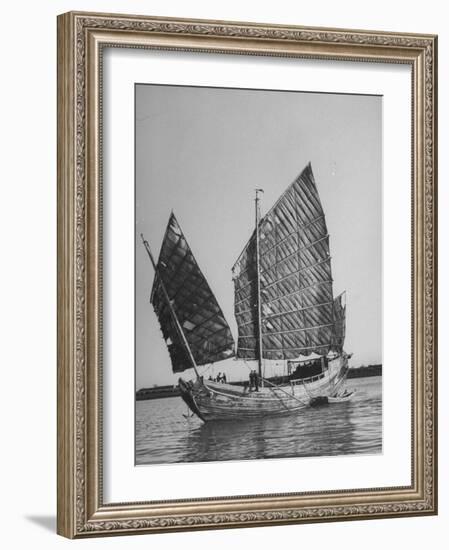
x: 164, y: 435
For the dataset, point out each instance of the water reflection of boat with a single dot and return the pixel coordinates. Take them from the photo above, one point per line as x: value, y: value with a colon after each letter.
x: 284, y: 308
x: 277, y: 436
x: 226, y: 441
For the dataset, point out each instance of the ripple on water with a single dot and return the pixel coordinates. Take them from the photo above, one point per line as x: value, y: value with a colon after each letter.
x: 164, y: 435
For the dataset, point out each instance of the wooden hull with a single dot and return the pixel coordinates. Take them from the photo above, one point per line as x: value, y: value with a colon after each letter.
x: 216, y: 401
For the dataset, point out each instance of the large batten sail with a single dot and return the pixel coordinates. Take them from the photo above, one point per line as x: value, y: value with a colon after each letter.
x: 193, y: 302
x: 297, y: 308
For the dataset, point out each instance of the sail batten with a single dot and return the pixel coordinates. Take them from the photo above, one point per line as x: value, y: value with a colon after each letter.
x: 286, y: 312
x: 317, y: 283
x: 298, y: 313
x: 200, y: 317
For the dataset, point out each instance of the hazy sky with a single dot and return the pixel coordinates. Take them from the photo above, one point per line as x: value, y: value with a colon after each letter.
x: 203, y: 151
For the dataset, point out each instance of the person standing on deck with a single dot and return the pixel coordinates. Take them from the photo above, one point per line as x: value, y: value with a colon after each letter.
x: 256, y: 380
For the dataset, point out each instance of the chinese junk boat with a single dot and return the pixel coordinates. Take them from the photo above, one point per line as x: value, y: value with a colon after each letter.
x: 284, y: 308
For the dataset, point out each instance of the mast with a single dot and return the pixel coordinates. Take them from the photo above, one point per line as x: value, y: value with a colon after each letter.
x: 259, y: 305
x: 170, y: 307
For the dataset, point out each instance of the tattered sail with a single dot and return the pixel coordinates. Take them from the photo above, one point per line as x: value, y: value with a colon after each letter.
x: 202, y: 321
x: 297, y: 307
x: 338, y: 340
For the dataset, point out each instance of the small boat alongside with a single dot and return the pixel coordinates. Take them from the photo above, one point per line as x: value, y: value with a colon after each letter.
x: 331, y: 399
x: 343, y: 398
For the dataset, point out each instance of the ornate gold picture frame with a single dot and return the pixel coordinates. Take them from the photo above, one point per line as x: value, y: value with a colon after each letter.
x: 82, y: 41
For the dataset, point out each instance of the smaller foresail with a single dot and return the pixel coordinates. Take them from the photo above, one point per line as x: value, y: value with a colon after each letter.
x: 339, y: 312
x: 199, y: 316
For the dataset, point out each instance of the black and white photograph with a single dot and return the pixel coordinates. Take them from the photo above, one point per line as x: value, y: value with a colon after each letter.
x: 258, y: 274
x: 223, y: 237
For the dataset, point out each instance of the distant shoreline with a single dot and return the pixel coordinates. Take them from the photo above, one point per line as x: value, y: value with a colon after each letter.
x: 159, y: 392
x: 364, y: 371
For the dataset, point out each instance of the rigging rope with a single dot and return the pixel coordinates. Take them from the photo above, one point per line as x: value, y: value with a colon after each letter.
x: 282, y: 390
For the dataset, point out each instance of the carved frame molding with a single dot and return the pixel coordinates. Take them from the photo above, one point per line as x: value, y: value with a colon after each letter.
x: 81, y: 39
